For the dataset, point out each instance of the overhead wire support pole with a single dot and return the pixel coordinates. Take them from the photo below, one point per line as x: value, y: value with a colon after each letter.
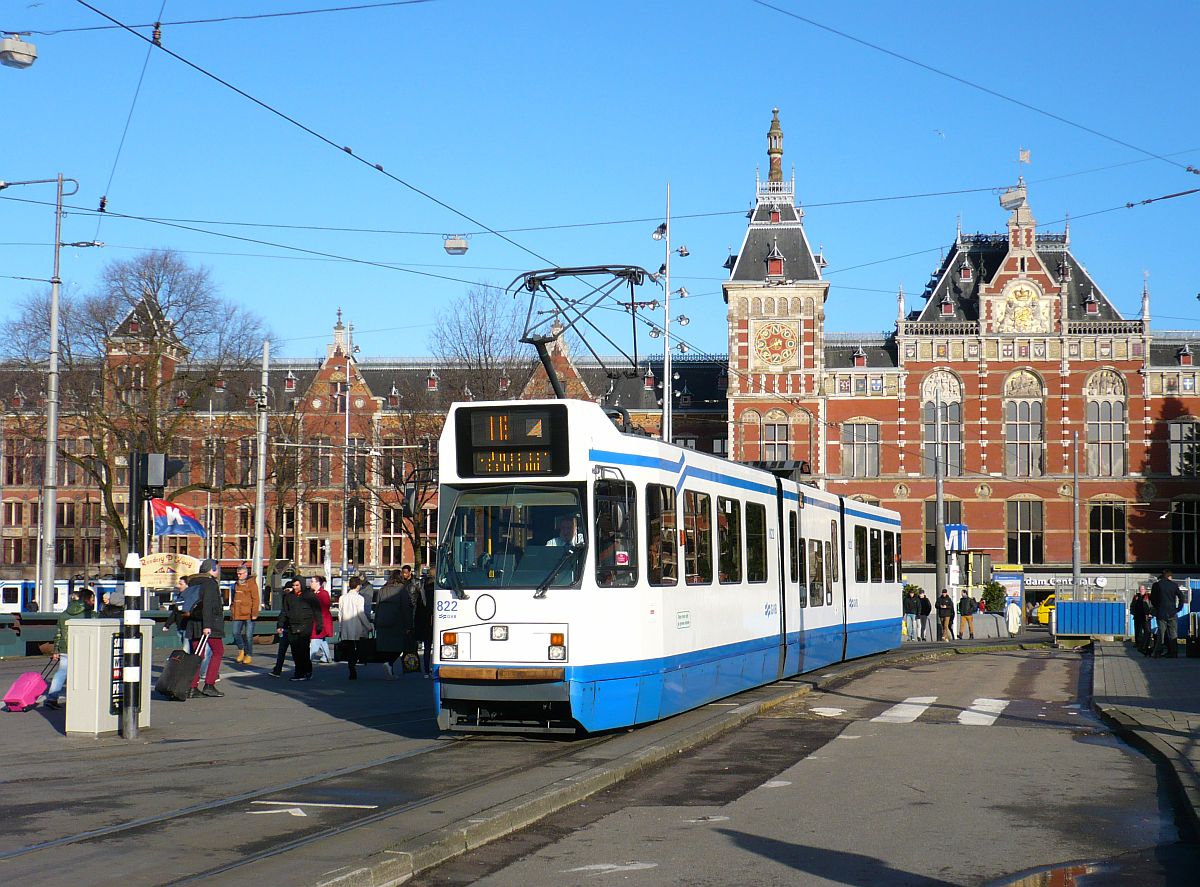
x: 940, y: 520
x: 260, y: 481
x: 346, y: 460
x: 668, y: 384
x: 1076, y: 578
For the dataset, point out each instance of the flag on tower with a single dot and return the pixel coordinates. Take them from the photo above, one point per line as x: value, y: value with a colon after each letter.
x: 1023, y: 155
x: 174, y: 520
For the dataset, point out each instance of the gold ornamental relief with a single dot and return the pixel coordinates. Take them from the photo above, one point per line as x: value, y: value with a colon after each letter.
x: 1023, y: 311
x: 776, y: 343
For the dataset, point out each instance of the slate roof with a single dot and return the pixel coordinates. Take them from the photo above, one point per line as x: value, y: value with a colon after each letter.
x: 1164, y: 348
x: 880, y: 351
x: 985, y: 253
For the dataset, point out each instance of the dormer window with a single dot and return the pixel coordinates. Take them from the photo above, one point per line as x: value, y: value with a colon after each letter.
x: 431, y: 381
x: 964, y: 271
x: 504, y: 382
x: 135, y: 327
x: 468, y: 394
x: 289, y: 382
x: 947, y: 306
x: 251, y: 398
x: 774, y: 214
x: 17, y: 400
x: 685, y: 396
x: 1065, y: 270
x: 860, y: 357
x: 648, y: 380
x: 181, y: 399
x: 723, y: 380
x: 394, y: 397
x: 220, y: 386
x: 775, y: 261
x: 1091, y: 304
x: 1185, y: 356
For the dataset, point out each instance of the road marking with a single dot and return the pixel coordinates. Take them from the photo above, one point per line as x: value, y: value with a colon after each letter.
x: 828, y: 712
x: 709, y: 819
x: 294, y: 811
x: 607, y: 868
x: 983, y: 712
x: 725, y: 703
x: 907, y: 711
x: 314, y: 804
x: 776, y: 783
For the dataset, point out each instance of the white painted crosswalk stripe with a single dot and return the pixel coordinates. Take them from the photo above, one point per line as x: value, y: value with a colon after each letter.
x: 907, y: 711
x: 983, y: 712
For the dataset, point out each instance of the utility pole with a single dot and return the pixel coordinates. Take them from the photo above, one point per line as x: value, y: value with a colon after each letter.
x: 50, y: 479
x: 1076, y: 579
x: 346, y: 462
x: 260, y: 494
x: 940, y: 524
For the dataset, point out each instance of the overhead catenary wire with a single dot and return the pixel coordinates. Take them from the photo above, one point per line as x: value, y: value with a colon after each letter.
x: 225, y: 18
x: 992, y: 92
x: 314, y: 133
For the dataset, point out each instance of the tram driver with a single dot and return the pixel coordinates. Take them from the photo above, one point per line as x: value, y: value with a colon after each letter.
x: 568, y: 532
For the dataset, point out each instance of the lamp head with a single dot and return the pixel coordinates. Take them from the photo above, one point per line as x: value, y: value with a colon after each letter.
x: 660, y: 232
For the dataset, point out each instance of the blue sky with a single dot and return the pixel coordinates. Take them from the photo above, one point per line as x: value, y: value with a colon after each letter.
x: 528, y: 114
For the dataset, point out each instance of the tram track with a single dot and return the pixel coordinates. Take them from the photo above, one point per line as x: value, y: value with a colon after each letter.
x: 149, y: 826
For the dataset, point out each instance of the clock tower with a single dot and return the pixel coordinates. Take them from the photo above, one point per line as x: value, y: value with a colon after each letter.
x: 776, y: 312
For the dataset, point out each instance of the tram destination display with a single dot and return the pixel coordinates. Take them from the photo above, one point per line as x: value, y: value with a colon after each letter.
x: 509, y: 441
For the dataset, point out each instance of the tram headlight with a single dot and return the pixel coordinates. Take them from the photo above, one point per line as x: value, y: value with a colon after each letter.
x: 449, y: 651
x: 557, y: 651
x: 499, y: 632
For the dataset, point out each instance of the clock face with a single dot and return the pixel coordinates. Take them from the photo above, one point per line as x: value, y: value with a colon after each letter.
x: 776, y: 343
x: 316, y: 402
x: 358, y: 403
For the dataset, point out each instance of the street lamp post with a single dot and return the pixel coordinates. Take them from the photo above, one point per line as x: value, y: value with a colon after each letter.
x: 663, y: 232
x: 49, y: 543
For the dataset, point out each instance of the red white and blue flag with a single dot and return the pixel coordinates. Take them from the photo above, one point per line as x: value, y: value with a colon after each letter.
x: 174, y: 520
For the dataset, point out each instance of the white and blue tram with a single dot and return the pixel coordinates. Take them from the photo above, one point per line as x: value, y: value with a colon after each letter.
x: 590, y: 578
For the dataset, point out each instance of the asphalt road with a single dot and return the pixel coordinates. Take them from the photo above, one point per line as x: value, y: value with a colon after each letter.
x: 966, y: 771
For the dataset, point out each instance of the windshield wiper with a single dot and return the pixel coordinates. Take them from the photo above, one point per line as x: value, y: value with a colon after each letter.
x: 572, y: 551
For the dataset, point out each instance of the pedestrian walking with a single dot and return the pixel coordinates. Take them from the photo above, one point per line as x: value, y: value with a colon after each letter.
x: 945, y: 614
x: 323, y: 626
x: 58, y: 682
x: 394, y: 617
x: 1012, y: 618
x: 243, y: 610
x: 967, y: 608
x: 926, y: 614
x: 207, y: 623
x: 298, y: 613
x: 1167, y: 600
x: 354, y: 622
x: 1139, y: 609
x: 912, y: 612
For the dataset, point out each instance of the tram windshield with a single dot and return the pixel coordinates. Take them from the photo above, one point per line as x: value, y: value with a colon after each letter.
x: 513, y: 536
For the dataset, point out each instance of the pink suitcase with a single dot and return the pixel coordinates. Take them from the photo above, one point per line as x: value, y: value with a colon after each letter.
x: 26, y: 690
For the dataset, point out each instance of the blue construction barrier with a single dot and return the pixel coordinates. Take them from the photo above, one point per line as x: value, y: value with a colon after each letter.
x: 1091, y: 618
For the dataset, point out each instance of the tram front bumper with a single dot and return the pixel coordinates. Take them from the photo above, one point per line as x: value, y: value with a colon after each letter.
x: 504, y: 699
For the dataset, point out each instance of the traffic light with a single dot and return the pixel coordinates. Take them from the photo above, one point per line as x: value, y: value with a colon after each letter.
x: 153, y: 472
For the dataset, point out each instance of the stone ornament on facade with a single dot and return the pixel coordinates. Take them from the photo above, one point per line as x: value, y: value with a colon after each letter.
x: 943, y: 383
x: 1106, y: 383
x: 1023, y: 310
x: 984, y: 491
x: 1023, y: 383
x: 901, y: 491
x: 776, y: 343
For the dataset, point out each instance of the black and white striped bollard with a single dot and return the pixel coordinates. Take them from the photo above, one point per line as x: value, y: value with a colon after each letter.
x: 131, y: 647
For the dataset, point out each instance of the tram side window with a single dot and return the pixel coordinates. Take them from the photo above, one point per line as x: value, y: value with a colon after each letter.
x: 662, y: 538
x: 860, y: 554
x: 616, y: 534
x: 729, y: 539
x: 816, y: 574
x: 803, y: 571
x: 876, y: 555
x: 756, y: 542
x: 828, y: 575
x: 794, y: 540
x: 889, y: 557
x: 697, y: 538
x: 837, y: 551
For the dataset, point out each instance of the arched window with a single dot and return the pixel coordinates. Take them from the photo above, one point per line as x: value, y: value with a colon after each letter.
x: 776, y: 439
x: 1024, y: 420
x: 1105, y: 392
x: 1185, y: 448
x: 942, y: 388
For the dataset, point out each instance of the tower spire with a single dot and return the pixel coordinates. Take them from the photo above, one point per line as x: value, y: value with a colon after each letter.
x: 775, y: 148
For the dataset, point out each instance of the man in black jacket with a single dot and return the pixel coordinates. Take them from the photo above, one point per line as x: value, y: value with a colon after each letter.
x: 912, y: 611
x: 1139, y: 609
x: 1166, y: 599
x: 945, y: 613
x: 926, y: 610
x: 207, y: 623
x: 967, y: 608
x: 297, y: 615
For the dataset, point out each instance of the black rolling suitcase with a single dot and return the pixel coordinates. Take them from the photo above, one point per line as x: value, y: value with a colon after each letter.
x: 176, y: 678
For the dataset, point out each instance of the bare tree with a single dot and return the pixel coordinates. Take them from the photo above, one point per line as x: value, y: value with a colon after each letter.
x: 478, y: 337
x: 137, y: 356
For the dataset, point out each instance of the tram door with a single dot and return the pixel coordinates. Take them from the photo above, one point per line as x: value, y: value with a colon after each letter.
x: 794, y: 588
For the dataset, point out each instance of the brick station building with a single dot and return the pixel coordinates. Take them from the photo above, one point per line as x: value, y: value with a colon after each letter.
x: 1015, y: 351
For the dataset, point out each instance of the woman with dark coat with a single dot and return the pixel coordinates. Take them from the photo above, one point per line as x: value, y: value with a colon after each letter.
x: 393, y: 611
x: 298, y: 613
